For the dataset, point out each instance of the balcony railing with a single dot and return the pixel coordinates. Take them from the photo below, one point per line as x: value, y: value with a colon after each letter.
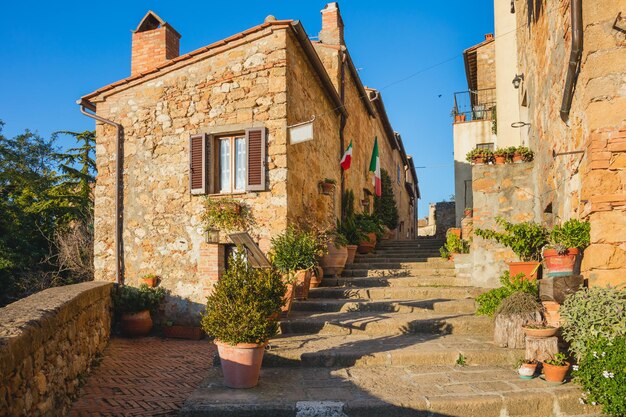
x: 474, y: 105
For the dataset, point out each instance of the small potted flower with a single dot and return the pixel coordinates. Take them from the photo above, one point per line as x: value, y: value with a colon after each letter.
x: 328, y: 185
x: 240, y: 316
x: 475, y: 156
x: 468, y: 212
x: 539, y: 329
x: 150, y: 280
x: 567, y: 241
x: 555, y: 369
x: 133, y: 306
x: 500, y: 156
x: 371, y: 228
x: 527, y: 369
x: 523, y: 154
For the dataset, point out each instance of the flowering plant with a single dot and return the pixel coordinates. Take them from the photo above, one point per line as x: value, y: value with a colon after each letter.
x: 602, y: 374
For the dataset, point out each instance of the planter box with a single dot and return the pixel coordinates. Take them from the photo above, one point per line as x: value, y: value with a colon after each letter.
x: 183, y: 332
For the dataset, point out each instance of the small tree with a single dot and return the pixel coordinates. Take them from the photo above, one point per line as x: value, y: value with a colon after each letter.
x: 385, y: 207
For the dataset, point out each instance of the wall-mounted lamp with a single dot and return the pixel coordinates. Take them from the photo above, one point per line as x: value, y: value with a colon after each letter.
x: 518, y: 80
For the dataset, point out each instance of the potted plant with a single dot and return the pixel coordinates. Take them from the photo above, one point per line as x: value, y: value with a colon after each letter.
x: 294, y: 253
x: 475, y: 156
x: 354, y: 236
x: 515, y: 310
x: 526, y: 154
x: 225, y: 214
x: 527, y: 369
x: 555, y: 369
x: 454, y: 244
x: 327, y: 185
x: 468, y: 212
x: 133, y: 305
x: 150, y: 280
x: 335, y: 254
x: 500, y: 156
x: 239, y: 316
x: 539, y: 329
x: 458, y: 117
x: 370, y: 226
x: 567, y: 241
x: 525, y: 239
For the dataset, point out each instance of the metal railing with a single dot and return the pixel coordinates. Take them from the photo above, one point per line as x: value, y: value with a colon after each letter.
x: 474, y: 105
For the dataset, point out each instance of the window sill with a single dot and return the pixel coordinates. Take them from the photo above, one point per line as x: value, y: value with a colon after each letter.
x: 227, y: 194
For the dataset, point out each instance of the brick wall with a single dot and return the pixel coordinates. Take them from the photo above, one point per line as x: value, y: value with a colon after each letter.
x: 152, y: 48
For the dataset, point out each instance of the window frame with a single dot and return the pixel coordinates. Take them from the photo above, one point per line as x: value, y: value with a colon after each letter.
x: 217, y: 171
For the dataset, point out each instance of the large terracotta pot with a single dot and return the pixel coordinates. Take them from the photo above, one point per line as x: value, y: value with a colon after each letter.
x: 316, y: 277
x: 289, y: 295
x: 368, y: 245
x: 351, y: 253
x: 335, y: 260
x: 241, y: 363
x: 560, y: 265
x: 302, y: 284
x: 136, y: 324
x: 529, y: 269
x: 555, y: 373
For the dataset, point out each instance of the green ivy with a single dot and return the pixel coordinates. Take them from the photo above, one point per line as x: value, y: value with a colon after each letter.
x: 602, y: 375
x: 526, y: 239
x: 489, y: 302
x: 241, y: 306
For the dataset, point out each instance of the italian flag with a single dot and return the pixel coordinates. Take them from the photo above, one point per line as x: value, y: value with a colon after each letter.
x: 346, y: 160
x: 375, y: 168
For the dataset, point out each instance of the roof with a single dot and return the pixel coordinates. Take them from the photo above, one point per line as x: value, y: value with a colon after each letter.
x: 469, y: 56
x: 199, y: 54
x: 377, y: 99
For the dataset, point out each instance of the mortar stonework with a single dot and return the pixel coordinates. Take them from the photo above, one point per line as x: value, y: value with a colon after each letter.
x: 589, y: 185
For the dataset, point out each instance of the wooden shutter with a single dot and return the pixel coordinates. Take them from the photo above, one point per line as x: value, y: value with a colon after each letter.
x: 255, y: 140
x: 198, y: 159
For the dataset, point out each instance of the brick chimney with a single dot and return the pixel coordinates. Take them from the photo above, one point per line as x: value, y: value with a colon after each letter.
x: 332, y: 25
x: 154, y: 42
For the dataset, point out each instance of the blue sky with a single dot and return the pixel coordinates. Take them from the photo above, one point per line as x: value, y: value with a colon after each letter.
x: 58, y: 51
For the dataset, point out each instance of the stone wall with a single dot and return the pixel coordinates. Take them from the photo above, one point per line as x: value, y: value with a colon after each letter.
x: 499, y: 190
x: 444, y: 217
x: 47, y: 342
x: 589, y: 185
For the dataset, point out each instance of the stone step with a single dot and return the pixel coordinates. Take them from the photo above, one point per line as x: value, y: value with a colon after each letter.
x: 385, y: 323
x: 396, y: 293
x: 375, y: 257
x: 398, y: 263
x: 398, y: 273
x: 398, y: 350
x: 373, y: 279
x: 375, y: 391
x: 463, y: 305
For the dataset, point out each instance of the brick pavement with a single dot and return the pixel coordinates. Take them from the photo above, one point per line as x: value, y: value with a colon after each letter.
x: 144, y: 377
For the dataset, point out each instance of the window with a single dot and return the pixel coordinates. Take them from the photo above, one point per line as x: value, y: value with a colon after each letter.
x: 488, y: 146
x: 398, y: 174
x: 232, y: 166
x: 232, y: 163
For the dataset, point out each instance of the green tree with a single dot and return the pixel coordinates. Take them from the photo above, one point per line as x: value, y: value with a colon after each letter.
x: 385, y: 207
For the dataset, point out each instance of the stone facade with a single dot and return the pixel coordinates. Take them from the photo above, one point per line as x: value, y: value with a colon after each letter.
x: 591, y: 183
x: 47, y: 342
x: 268, y: 76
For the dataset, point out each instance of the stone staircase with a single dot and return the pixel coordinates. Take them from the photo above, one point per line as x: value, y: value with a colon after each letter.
x: 395, y: 335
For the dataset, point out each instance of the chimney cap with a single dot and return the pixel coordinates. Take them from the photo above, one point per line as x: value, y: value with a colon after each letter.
x: 331, y: 6
x: 152, y: 21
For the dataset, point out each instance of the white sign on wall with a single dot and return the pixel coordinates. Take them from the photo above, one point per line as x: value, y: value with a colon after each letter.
x: 301, y: 132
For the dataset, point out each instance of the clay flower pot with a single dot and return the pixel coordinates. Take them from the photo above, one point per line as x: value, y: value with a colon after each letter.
x: 555, y: 373
x: 241, y: 363
x: 500, y: 160
x: 136, y: 324
x: 335, y: 260
x: 479, y: 160
x: 327, y: 187
x: 368, y: 245
x: 351, y: 253
x: 517, y: 157
x: 289, y: 295
x: 547, y: 332
x: 149, y: 281
x: 527, y: 370
x: 560, y: 265
x: 316, y: 277
x: 529, y: 269
x: 302, y: 285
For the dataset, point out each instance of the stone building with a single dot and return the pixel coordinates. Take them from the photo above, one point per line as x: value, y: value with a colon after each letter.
x: 569, y: 106
x: 222, y: 113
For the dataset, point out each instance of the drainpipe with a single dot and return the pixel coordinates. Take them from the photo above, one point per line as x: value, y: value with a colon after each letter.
x: 574, y: 58
x: 342, y: 123
x: 119, y: 264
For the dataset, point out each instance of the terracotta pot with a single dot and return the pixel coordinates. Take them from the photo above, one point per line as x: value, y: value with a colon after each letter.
x: 241, y: 363
x: 527, y: 370
x: 136, y: 324
x: 468, y: 212
x: 560, y: 265
x: 149, y: 281
x: 549, y: 332
x: 459, y: 117
x: 368, y: 245
x: 316, y: 277
x: 351, y: 253
x: 555, y: 373
x: 553, y: 316
x: 302, y: 284
x: 289, y: 295
x: 183, y: 332
x: 335, y: 260
x: 529, y: 269
x: 327, y: 187
x: 517, y: 157
x: 455, y: 231
x: 479, y: 160
x: 500, y: 160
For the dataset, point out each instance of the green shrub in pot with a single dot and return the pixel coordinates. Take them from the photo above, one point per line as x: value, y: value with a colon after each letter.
x: 368, y: 223
x: 295, y: 250
x: 571, y: 234
x: 130, y: 300
x: 526, y: 239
